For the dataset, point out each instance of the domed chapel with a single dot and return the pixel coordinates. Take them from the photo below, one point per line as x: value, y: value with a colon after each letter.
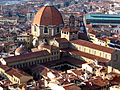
x: 47, y: 23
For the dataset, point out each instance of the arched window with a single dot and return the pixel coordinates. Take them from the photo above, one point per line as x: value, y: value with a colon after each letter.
x: 45, y: 30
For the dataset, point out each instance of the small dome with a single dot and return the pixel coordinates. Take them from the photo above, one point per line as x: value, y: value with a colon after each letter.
x: 35, y: 42
x: 20, y: 50
x: 48, y: 15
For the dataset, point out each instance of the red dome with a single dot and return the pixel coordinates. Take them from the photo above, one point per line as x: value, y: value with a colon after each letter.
x: 48, y: 15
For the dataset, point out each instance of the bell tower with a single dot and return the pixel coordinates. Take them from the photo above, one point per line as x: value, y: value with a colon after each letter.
x: 72, y: 21
x: 69, y: 33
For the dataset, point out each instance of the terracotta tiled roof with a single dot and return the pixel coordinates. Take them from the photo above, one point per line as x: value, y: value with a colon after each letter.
x: 16, y: 72
x: 20, y: 50
x: 48, y: 15
x: 99, y: 82
x: 78, y: 72
x: 92, y: 32
x: 7, y: 43
x: 35, y: 50
x: 71, y: 87
x: 42, y: 69
x: 103, y: 39
x: 12, y: 71
x: 61, y: 40
x: 50, y: 47
x: 95, y: 84
x: 27, y: 56
x: 93, y: 46
x: 67, y: 29
x: 86, y: 55
x: 70, y: 60
x: 115, y: 78
x: 4, y: 67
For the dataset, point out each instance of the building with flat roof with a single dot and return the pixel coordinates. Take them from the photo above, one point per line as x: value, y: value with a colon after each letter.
x: 103, y: 19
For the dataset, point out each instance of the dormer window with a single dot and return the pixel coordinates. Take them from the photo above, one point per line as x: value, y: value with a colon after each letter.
x: 45, y: 30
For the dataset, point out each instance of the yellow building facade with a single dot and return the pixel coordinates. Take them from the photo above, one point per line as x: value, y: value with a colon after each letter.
x: 99, y: 41
x: 49, y: 53
x: 14, y: 75
x: 26, y: 38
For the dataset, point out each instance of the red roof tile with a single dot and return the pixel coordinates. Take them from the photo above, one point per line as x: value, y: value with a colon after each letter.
x: 48, y: 15
x: 27, y: 56
x: 61, y: 40
x: 99, y: 82
x: 115, y: 80
x: 71, y: 87
x: 70, y: 60
x: 68, y: 29
x: 86, y: 55
x: 4, y: 67
x: 78, y: 72
x: 16, y: 72
x: 51, y: 47
x: 93, y: 46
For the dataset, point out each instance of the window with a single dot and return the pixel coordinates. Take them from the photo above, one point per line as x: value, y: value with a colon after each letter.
x: 105, y: 55
x: 71, y: 33
x: 57, y: 29
x: 64, y: 32
x: 116, y: 57
x: 100, y: 53
x: 94, y: 52
x: 57, y: 52
x: 79, y: 48
x: 48, y: 59
x: 84, y: 49
x: 35, y: 28
x: 51, y: 58
x: 45, y: 30
x: 54, y: 53
x: 89, y: 51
